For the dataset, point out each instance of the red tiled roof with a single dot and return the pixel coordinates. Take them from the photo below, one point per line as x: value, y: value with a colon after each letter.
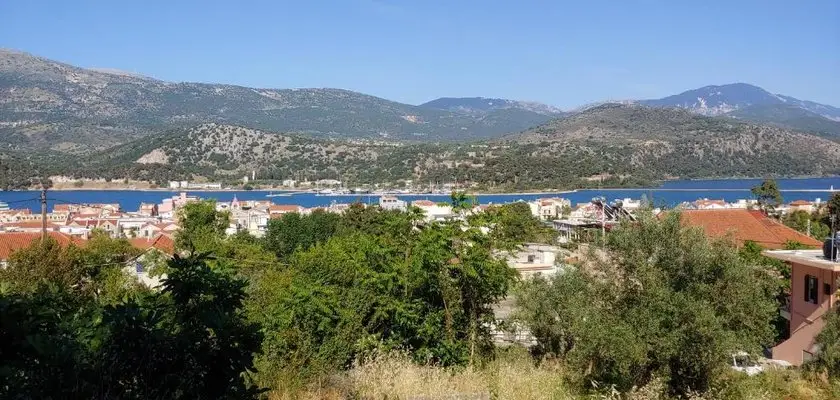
x: 30, y: 224
x: 423, y: 203
x: 161, y: 242
x: 746, y: 225
x: 801, y: 203
x: 14, y: 241
x: 284, y: 207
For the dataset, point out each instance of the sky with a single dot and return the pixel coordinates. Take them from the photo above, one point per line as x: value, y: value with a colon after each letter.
x: 564, y: 53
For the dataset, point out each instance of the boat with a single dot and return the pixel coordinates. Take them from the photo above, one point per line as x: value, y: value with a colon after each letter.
x: 4, y: 206
x: 278, y: 194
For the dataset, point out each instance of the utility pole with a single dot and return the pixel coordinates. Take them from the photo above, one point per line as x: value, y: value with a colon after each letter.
x: 43, y: 213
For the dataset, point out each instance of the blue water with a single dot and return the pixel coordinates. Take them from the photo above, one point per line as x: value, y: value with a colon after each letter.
x: 669, y: 194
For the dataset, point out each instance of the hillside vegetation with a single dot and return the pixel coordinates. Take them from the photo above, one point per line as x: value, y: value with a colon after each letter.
x: 620, y: 144
x: 48, y: 104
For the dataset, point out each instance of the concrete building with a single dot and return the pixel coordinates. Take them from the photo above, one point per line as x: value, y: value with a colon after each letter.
x: 434, y: 211
x: 813, y: 287
x: 392, y: 203
x: 535, y: 260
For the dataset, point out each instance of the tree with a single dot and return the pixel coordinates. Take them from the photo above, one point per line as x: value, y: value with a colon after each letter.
x: 662, y: 301
x: 767, y: 194
x: 189, y: 340
x: 828, y: 359
x: 202, y: 227
x: 294, y: 231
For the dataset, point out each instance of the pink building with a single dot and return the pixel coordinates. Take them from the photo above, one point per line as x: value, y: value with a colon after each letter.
x: 813, y: 289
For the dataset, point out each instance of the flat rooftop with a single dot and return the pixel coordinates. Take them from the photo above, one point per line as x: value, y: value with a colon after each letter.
x: 812, y: 258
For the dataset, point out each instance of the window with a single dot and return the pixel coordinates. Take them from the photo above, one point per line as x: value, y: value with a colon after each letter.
x: 827, y: 289
x: 531, y: 258
x: 811, y: 289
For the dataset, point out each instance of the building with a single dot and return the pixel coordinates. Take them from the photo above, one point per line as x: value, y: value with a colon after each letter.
x: 434, y: 211
x: 813, y: 292
x: 11, y: 242
x: 289, y: 183
x: 801, y: 205
x: 706, y: 204
x: 746, y: 225
x: 277, y: 210
x: 168, y: 207
x: 548, y: 209
x: 148, y: 209
x: 534, y: 260
x: 392, y: 203
x: 155, y: 250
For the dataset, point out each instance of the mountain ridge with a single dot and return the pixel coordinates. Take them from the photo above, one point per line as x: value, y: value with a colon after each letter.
x: 49, y: 104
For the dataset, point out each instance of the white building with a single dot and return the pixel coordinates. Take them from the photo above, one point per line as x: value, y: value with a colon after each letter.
x: 434, y: 211
x: 289, y: 183
x: 535, y: 260
x: 392, y: 203
x: 548, y: 209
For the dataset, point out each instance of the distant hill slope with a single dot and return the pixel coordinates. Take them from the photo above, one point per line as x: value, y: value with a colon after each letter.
x: 47, y: 104
x: 675, y: 142
x: 790, y: 116
x: 629, y: 145
x: 484, y: 105
x: 745, y: 101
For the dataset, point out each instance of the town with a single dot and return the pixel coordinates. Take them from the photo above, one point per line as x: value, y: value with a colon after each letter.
x: 152, y: 227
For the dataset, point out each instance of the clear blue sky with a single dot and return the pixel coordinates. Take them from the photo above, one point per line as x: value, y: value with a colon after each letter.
x: 557, y: 52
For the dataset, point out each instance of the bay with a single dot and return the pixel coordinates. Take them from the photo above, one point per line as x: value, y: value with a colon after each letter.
x: 669, y: 194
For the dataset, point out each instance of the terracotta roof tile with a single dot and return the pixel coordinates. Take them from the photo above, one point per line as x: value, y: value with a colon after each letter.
x: 746, y: 225
x: 14, y: 241
x: 163, y: 243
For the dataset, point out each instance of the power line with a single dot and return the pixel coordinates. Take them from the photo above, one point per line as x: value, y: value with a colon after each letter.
x: 21, y: 201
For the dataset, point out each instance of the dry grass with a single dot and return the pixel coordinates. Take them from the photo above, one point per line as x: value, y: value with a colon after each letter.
x: 396, y: 377
x: 517, y: 378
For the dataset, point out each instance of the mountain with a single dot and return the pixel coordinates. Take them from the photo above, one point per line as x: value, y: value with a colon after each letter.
x: 612, y: 144
x: 661, y: 142
x: 483, y: 105
x: 48, y: 104
x: 789, y: 115
x: 723, y: 99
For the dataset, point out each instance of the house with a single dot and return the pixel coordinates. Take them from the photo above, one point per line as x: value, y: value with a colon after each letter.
x: 11, y: 242
x: 13, y: 215
x: 813, y: 287
x: 153, y: 249
x: 746, y: 225
x: 706, y: 204
x: 392, y: 203
x: 151, y: 230
x: 29, y: 226
x: 253, y: 221
x: 148, y: 210
x: 277, y: 210
x: 801, y: 205
x: 548, y: 209
x: 434, y: 211
x: 168, y: 207
x: 534, y: 260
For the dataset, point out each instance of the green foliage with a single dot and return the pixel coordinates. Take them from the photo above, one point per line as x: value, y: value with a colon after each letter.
x: 513, y: 224
x: 767, y: 194
x: 807, y: 223
x: 95, y: 270
x: 828, y: 359
x: 202, y: 227
x: 378, y: 282
x: 293, y: 231
x: 663, y: 301
x: 189, y: 340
